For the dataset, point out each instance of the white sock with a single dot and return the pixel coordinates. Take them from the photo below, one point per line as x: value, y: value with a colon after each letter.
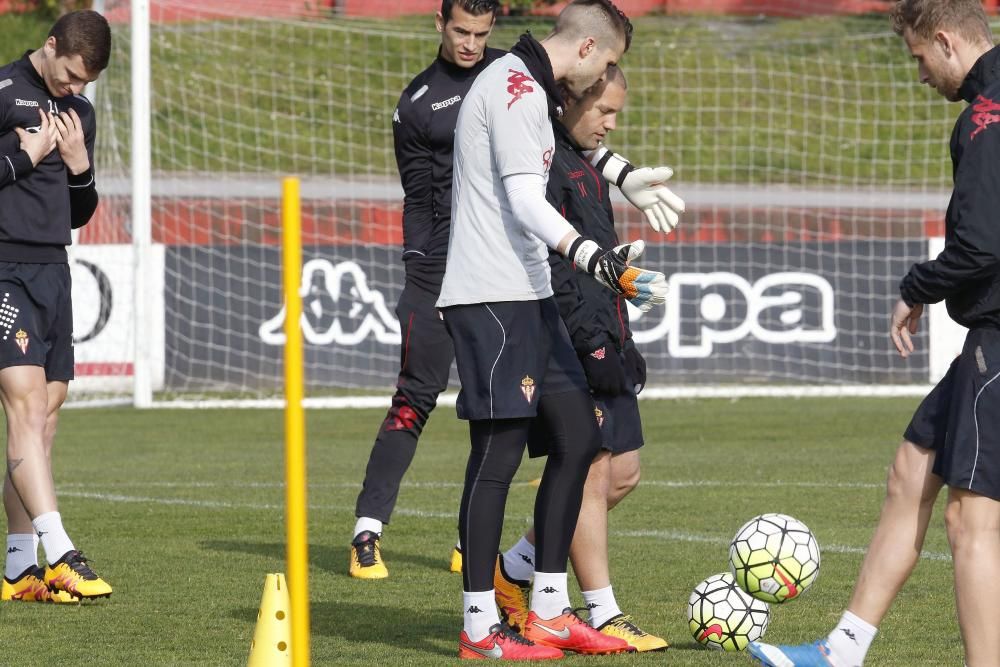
x: 53, y: 536
x: 480, y: 613
x: 602, y: 605
x: 458, y: 544
x: 519, y: 560
x: 367, y: 523
x: 850, y: 640
x: 21, y: 553
x: 549, y: 594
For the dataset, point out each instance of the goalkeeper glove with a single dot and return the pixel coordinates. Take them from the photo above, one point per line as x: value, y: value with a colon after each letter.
x: 644, y: 289
x: 604, y: 370
x: 635, y: 365
x: 644, y: 188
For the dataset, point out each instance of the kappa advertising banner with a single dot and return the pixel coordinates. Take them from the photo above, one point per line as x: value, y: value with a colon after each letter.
x: 811, y: 312
x: 103, y: 319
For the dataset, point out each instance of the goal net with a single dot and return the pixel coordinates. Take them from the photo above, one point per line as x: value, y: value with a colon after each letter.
x: 814, y: 166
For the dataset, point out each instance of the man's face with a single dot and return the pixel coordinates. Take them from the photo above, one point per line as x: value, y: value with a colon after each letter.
x: 591, y: 118
x: 591, y: 67
x: 937, y: 64
x: 64, y: 75
x: 463, y: 37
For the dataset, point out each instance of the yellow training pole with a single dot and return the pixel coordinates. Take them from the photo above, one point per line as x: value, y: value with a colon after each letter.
x: 295, y: 438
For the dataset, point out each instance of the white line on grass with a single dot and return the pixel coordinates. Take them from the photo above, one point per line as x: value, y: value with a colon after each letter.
x: 665, y: 535
x: 678, y: 484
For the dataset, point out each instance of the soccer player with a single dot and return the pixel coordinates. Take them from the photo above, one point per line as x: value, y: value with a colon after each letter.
x: 953, y: 437
x: 423, y: 130
x: 598, y: 326
x: 46, y: 189
x: 515, y: 360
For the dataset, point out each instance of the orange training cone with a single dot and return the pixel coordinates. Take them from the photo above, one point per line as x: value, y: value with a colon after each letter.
x: 271, y: 646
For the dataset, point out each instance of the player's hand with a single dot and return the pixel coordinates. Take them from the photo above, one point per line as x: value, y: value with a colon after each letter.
x: 646, y: 190
x: 604, y: 370
x: 644, y: 289
x: 635, y: 364
x: 41, y: 142
x: 69, y: 139
x: 905, y: 321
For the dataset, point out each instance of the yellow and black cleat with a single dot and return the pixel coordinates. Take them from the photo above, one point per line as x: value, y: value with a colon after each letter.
x: 30, y: 587
x: 72, y: 575
x: 455, y: 567
x: 366, y: 557
x: 623, y: 627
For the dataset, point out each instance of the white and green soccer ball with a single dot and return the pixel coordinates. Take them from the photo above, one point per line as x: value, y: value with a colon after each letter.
x: 774, y: 557
x: 723, y: 617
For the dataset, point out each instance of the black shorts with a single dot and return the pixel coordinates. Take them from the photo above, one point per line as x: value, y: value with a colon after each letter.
x: 617, y: 417
x: 36, y: 318
x: 960, y: 418
x: 508, y: 354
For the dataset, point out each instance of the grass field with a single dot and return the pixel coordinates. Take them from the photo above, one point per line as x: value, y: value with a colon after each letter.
x: 182, y: 513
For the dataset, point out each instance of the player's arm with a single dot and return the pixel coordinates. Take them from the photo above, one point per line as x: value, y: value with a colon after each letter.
x: 973, y: 250
x: 414, y: 161
x: 75, y: 140
x: 645, y: 188
x: 22, y: 150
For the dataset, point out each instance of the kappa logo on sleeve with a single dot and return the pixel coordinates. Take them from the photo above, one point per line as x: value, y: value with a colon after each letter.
x: 985, y: 112
x: 518, y: 85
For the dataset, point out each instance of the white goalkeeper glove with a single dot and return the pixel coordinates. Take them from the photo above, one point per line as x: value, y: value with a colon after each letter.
x: 644, y: 188
x: 643, y: 289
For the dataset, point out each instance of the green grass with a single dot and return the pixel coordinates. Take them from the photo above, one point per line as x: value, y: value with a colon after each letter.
x: 818, y: 101
x: 181, y: 512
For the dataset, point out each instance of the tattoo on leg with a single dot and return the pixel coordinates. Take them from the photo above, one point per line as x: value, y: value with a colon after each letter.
x: 12, y: 466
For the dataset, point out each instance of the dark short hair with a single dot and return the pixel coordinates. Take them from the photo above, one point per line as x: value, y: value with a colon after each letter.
x: 84, y: 33
x: 604, y: 11
x: 926, y: 17
x: 474, y: 7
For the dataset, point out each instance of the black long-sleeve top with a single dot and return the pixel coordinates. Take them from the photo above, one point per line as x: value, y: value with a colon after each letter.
x: 592, y: 312
x: 967, y: 272
x: 423, y: 128
x: 39, y: 205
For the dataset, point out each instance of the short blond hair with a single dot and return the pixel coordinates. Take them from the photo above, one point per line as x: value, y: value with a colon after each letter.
x: 926, y: 17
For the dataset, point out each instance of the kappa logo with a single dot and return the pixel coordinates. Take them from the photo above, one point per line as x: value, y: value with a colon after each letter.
x: 518, y: 85
x: 549, y: 589
x: 474, y: 610
x: 338, y: 306
x: 525, y: 558
x: 11, y: 550
x: 528, y: 388
x: 984, y: 113
x: 444, y: 104
x: 849, y: 633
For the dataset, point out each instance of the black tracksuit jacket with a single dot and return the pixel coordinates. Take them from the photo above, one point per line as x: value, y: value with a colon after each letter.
x: 423, y: 128
x: 967, y: 272
x: 593, y: 314
x: 39, y: 205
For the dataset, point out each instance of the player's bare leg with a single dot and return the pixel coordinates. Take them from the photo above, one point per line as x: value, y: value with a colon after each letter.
x: 911, y: 490
x: 973, y: 523
x: 589, y: 550
x: 24, y: 394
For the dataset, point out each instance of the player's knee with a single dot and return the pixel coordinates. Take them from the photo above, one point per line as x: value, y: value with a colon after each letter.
x: 622, y: 486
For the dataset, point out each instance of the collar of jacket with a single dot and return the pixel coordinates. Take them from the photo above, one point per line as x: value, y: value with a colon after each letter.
x: 26, y: 65
x: 564, y: 137
x: 985, y: 72
x: 463, y: 72
x: 534, y: 56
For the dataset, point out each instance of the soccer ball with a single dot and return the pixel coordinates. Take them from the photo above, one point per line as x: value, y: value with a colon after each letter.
x: 723, y: 617
x: 774, y: 557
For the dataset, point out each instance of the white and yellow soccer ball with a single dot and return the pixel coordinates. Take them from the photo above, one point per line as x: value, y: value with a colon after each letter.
x: 774, y: 557
x: 723, y: 617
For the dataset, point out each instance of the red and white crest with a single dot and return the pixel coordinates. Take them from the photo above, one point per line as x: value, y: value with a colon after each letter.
x: 528, y: 388
x: 21, y: 338
x: 598, y: 353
